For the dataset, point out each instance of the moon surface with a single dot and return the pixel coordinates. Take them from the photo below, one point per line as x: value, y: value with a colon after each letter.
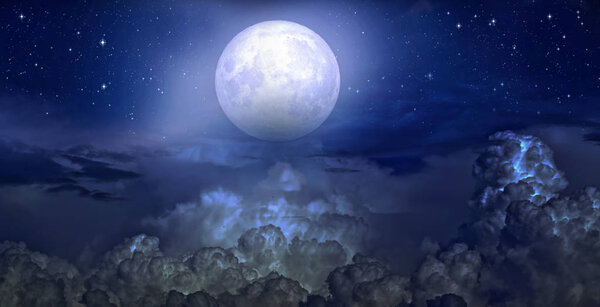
x: 277, y: 80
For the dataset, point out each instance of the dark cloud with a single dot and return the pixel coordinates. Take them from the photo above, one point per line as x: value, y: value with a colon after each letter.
x: 105, y: 174
x: 341, y: 170
x: 447, y: 300
x: 84, y: 161
x: 82, y: 191
x: 23, y: 164
x: 367, y: 282
x: 138, y: 273
x: 91, y: 152
x: 593, y: 137
x: 271, y: 290
x: 403, y: 165
x: 209, y: 194
x: 527, y: 243
x: 32, y: 279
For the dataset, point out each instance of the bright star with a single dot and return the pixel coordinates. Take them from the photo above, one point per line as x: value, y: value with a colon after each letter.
x: 103, y: 86
x: 21, y: 16
x: 102, y: 42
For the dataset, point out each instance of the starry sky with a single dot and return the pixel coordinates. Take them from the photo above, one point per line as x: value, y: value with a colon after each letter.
x: 413, y: 70
x: 110, y: 118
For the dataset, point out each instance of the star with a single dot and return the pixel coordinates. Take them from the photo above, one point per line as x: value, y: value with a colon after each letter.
x: 549, y: 16
x: 458, y: 26
x: 103, y: 86
x: 21, y: 16
x: 102, y: 42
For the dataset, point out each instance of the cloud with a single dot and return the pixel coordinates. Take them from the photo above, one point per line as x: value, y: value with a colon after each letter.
x: 455, y: 270
x: 283, y: 177
x: 271, y: 290
x: 200, y: 299
x: 219, y: 216
x: 34, y: 279
x: 515, y: 168
x: 90, y: 152
x: 308, y: 261
x: 136, y: 272
x: 367, y: 282
x: 528, y: 243
x: 23, y: 164
x: 84, y: 192
x: 574, y: 151
x: 447, y: 300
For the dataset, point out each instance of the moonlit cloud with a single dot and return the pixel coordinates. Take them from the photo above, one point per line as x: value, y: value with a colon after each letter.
x: 247, y: 251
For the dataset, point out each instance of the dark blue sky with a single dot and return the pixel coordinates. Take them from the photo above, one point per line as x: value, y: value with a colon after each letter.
x: 420, y: 71
x: 109, y: 108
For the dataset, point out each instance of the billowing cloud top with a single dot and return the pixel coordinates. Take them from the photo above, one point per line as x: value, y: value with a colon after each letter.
x: 528, y: 244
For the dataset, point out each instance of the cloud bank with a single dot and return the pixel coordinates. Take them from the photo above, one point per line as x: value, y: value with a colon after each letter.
x: 528, y: 243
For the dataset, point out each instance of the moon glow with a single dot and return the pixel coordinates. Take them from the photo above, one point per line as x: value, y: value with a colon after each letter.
x: 277, y: 80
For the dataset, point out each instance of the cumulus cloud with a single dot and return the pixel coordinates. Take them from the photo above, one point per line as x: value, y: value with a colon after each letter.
x: 137, y: 272
x: 271, y: 290
x: 455, y: 270
x: 196, y: 299
x: 29, y: 278
x: 518, y: 158
x: 514, y: 168
x: 263, y: 267
x: 266, y: 249
x: 220, y: 216
x: 529, y: 243
x: 367, y: 282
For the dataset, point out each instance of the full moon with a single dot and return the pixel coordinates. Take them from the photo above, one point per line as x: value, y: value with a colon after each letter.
x: 277, y: 80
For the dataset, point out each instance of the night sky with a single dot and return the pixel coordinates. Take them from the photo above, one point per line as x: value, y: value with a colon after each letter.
x: 110, y: 127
